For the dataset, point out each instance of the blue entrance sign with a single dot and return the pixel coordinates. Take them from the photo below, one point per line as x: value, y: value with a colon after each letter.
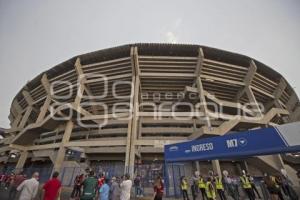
x: 279, y: 139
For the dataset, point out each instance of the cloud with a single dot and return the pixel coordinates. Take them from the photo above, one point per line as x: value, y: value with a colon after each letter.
x: 171, y: 37
x: 171, y: 34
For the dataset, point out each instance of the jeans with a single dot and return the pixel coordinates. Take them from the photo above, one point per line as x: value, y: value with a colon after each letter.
x: 138, y: 191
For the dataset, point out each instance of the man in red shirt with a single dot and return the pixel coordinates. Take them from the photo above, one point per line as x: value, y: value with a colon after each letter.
x: 101, y: 180
x: 52, y: 188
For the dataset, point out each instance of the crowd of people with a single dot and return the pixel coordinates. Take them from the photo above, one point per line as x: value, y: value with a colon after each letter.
x: 28, y: 188
x: 88, y: 186
x: 211, y: 186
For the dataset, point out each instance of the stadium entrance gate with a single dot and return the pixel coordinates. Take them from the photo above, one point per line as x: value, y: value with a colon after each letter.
x: 264, y: 141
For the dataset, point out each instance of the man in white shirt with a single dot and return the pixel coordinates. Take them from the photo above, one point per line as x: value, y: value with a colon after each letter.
x: 126, y: 188
x: 29, y: 188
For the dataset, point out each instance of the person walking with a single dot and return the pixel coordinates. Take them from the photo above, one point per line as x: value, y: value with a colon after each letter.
x: 220, y: 187
x: 29, y: 188
x: 115, y: 189
x: 76, y: 192
x: 104, y: 190
x: 246, y: 185
x: 158, y: 189
x: 210, y: 189
x: 202, y: 187
x: 184, y: 188
x: 89, y: 187
x: 52, y: 188
x: 16, y: 181
x: 125, y: 188
x: 138, y: 186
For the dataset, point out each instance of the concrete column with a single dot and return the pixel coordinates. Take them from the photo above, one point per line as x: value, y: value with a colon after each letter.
x: 245, y: 166
x: 216, y: 167
x: 197, y: 165
x: 128, y: 143
x: 133, y: 125
x: 239, y: 167
x: 44, y: 109
x: 25, y: 117
x: 279, y: 162
x: 62, y: 150
x: 21, y: 161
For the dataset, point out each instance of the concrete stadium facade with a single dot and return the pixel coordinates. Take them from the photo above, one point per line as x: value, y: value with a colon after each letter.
x: 123, y: 104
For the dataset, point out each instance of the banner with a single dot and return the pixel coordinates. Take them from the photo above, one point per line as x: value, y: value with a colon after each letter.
x: 264, y: 141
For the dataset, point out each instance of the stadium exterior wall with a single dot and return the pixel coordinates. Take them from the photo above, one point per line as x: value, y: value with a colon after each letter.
x: 125, y: 103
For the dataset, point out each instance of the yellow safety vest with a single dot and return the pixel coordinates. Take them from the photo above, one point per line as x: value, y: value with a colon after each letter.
x: 245, y: 182
x: 210, y: 190
x: 219, y: 184
x: 184, y: 185
x: 201, y: 183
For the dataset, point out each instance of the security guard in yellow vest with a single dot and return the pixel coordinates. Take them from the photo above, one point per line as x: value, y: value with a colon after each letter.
x: 184, y: 188
x: 202, y: 186
x: 246, y: 185
x: 220, y: 188
x: 210, y: 190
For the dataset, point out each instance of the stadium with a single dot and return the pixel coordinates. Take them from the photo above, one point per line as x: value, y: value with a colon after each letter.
x: 114, y: 110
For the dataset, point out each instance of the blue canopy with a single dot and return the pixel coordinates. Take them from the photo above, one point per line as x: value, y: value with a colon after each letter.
x: 264, y: 141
